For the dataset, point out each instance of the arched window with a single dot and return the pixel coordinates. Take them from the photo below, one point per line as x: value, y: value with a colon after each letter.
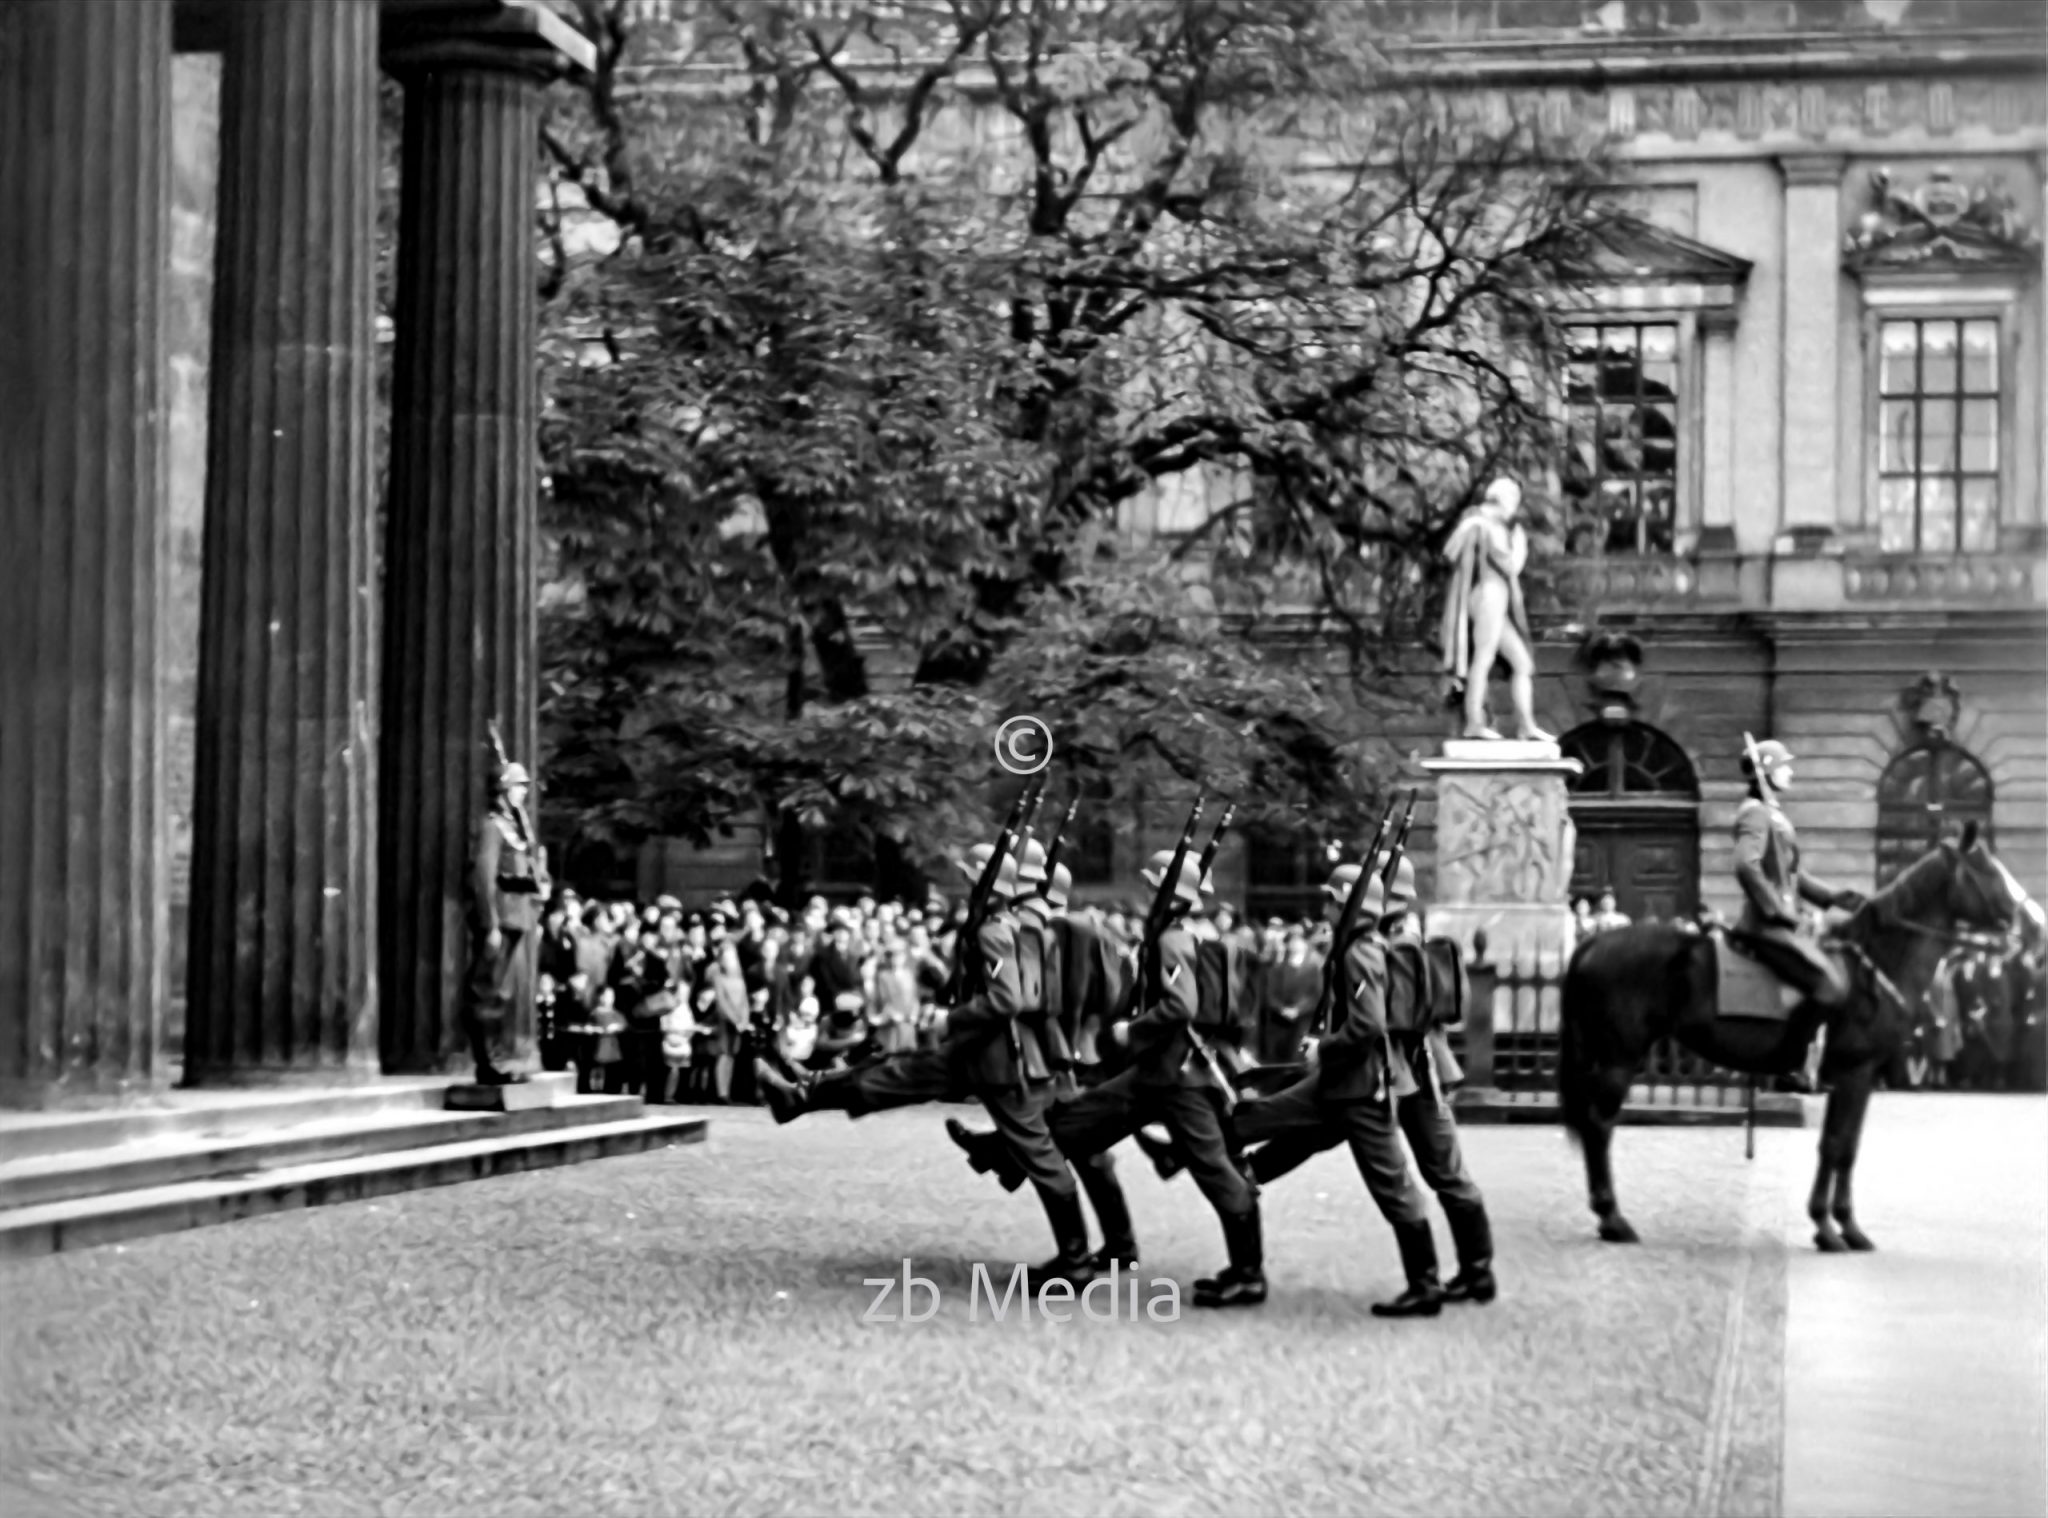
x: 1926, y: 794
x: 1627, y: 763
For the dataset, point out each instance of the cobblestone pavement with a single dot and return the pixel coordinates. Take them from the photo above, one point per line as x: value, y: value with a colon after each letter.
x: 683, y: 1332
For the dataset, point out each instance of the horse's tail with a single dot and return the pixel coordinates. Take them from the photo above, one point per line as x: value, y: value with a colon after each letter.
x: 1574, y: 1088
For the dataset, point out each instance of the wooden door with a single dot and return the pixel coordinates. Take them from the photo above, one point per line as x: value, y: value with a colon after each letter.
x: 1652, y: 864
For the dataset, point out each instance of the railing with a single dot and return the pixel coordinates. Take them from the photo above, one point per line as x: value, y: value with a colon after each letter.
x: 2012, y: 579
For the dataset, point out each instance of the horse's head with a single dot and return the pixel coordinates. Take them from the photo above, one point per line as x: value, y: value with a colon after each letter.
x: 1978, y: 892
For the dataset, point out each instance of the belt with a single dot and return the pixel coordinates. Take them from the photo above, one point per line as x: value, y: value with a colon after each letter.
x: 519, y: 885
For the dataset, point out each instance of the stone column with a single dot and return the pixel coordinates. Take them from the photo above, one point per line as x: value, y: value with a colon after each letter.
x: 282, y: 978
x: 1812, y: 276
x: 461, y: 521
x: 85, y: 141
x: 1504, y: 853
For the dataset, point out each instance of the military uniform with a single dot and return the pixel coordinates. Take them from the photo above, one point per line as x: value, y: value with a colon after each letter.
x: 1354, y: 1092
x: 1011, y: 1076
x: 1767, y: 869
x: 506, y: 887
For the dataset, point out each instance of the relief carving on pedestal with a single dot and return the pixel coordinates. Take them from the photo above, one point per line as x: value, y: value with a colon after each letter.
x: 1504, y: 839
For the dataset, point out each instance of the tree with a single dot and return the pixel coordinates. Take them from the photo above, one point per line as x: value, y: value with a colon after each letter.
x: 887, y: 338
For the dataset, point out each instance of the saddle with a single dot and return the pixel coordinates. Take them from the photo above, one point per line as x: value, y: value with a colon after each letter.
x: 1744, y: 987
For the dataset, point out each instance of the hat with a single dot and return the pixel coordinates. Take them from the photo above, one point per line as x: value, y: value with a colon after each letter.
x: 513, y: 774
x: 977, y: 861
x: 1404, y: 883
x: 1344, y: 877
x: 1030, y: 861
x: 1770, y: 753
x: 667, y: 904
x: 1062, y: 883
x: 1189, y: 887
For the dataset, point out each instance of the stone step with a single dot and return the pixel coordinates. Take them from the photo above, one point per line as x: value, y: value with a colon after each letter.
x: 211, y: 1113
x: 178, y: 1158
x: 89, y: 1222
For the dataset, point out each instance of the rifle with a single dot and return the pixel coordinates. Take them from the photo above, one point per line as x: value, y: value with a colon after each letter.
x: 1770, y: 798
x: 1400, y: 845
x: 1059, y: 839
x: 1218, y: 1077
x: 1347, y: 924
x: 1158, y: 916
x: 970, y: 975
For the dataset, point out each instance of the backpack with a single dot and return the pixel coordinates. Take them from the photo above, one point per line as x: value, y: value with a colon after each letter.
x: 1436, y: 968
x: 1224, y: 1006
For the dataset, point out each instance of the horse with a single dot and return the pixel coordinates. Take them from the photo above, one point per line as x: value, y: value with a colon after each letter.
x: 1627, y: 990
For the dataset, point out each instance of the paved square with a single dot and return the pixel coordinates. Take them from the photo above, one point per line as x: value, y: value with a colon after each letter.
x: 684, y: 1332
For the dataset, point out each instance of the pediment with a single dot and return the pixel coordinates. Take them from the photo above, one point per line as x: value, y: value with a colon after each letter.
x: 1944, y: 225
x: 1630, y: 248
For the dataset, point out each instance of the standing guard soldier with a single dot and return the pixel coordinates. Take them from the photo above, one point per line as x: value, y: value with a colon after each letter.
x: 505, y: 891
x: 1012, y: 1077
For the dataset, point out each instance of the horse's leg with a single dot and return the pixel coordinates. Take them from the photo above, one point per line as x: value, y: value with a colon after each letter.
x: 1855, y: 1094
x: 1607, y: 1090
x: 1820, y: 1201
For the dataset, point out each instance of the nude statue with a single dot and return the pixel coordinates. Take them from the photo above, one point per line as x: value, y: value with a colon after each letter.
x: 1484, y: 618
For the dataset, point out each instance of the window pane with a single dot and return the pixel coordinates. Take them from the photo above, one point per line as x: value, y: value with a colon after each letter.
x: 1937, y: 516
x: 1660, y: 506
x: 1980, y: 436
x: 1901, y: 348
x: 1582, y: 378
x: 1618, y: 506
x: 1895, y: 516
x: 1980, y: 516
x: 1621, y: 447
x: 1937, y: 436
x: 1898, y: 437
x: 1980, y: 357
x: 1660, y: 345
x: 1660, y: 440
x: 1660, y: 380
x: 1585, y: 344
x: 1937, y: 357
x: 1619, y: 341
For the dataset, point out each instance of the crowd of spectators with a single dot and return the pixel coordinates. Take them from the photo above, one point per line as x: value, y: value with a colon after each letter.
x: 674, y: 1005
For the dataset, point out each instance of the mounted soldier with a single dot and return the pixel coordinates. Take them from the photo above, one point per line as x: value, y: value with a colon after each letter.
x: 1767, y: 869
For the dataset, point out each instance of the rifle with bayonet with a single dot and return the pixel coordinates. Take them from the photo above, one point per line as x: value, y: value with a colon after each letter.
x: 1347, y: 925
x: 1218, y: 1076
x: 1399, y: 848
x: 1158, y: 917
x: 970, y: 974
x: 1059, y: 842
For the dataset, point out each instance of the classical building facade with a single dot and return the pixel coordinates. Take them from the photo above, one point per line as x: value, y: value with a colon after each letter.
x: 1808, y: 416
x: 212, y: 696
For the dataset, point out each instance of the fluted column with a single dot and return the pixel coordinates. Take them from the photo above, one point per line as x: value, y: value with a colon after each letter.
x: 283, y: 937
x: 85, y: 134
x: 459, y: 594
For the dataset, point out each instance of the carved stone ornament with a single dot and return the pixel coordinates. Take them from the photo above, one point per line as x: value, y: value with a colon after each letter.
x: 1505, y: 849
x: 1933, y: 704
x: 1942, y: 224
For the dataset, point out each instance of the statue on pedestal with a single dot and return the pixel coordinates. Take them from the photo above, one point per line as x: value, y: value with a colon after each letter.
x: 1484, y: 617
x: 509, y: 883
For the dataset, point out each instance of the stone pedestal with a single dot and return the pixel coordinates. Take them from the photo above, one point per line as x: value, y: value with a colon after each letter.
x: 85, y: 145
x: 283, y: 932
x: 1504, y: 848
x: 550, y: 1090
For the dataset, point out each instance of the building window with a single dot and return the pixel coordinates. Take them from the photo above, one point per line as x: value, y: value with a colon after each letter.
x: 1925, y: 795
x: 1089, y: 850
x: 1621, y: 464
x: 1634, y: 760
x: 1937, y: 449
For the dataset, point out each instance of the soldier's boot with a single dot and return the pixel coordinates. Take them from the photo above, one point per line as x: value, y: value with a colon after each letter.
x: 1112, y: 1213
x: 1473, y: 1236
x: 1070, y: 1232
x: 787, y: 1100
x: 986, y: 1152
x: 1424, y: 1298
x: 488, y: 1071
x: 1164, y: 1154
x: 1243, y: 1281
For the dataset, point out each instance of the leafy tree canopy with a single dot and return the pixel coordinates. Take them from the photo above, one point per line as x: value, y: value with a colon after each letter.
x: 879, y: 333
